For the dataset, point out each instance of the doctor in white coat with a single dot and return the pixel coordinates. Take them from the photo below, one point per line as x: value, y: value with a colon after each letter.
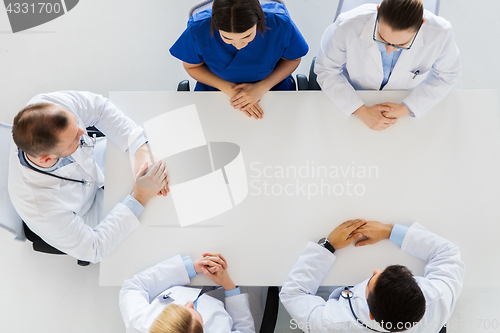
x: 173, y: 304
x: 395, y: 46
x: 55, y: 183
x: 391, y: 300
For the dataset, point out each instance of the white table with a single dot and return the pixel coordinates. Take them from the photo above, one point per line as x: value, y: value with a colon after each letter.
x: 441, y: 170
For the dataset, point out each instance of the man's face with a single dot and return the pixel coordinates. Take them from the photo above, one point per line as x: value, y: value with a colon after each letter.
x: 69, y: 138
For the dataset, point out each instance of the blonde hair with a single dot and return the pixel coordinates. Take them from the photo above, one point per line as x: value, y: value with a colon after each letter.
x: 175, y: 319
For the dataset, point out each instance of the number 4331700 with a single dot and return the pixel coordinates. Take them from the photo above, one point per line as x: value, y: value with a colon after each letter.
x: 38, y: 8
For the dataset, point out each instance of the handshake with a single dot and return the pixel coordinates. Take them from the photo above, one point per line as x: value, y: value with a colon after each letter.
x: 360, y: 231
x: 214, y: 266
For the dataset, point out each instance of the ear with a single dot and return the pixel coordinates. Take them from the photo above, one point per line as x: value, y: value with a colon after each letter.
x: 424, y: 20
x: 371, y: 317
x: 378, y: 6
x: 44, y: 159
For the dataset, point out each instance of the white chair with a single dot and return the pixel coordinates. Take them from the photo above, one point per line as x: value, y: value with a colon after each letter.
x: 347, y: 5
x: 9, y: 219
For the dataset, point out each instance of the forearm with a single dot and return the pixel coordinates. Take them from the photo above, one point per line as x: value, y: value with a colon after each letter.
x: 434, y: 89
x: 239, y: 309
x: 141, y: 156
x: 282, y: 70
x: 444, y: 268
x: 204, y: 75
x: 298, y: 293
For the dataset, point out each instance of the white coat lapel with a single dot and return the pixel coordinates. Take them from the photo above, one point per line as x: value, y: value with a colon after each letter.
x: 367, y: 35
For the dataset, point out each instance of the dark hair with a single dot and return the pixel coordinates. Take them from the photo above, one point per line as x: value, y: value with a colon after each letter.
x: 402, y: 14
x: 36, y: 127
x: 237, y: 16
x: 396, y: 302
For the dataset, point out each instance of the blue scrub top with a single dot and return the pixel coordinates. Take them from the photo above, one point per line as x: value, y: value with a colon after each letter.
x: 253, y: 62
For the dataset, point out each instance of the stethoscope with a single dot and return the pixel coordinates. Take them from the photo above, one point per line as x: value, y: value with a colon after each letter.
x: 348, y: 294
x: 85, y: 142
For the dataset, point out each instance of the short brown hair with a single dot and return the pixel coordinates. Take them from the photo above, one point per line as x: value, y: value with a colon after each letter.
x: 397, y: 303
x: 237, y: 16
x: 175, y: 319
x: 402, y: 14
x: 36, y: 127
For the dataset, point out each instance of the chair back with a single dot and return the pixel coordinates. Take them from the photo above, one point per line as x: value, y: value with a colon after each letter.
x: 347, y: 5
x: 9, y: 219
x: 208, y: 4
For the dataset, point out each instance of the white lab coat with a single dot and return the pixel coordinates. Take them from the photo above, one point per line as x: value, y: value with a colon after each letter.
x: 170, y: 276
x: 66, y: 214
x: 441, y: 285
x: 349, y: 59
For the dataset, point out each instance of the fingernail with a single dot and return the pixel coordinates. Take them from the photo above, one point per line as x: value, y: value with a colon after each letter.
x: 359, y: 236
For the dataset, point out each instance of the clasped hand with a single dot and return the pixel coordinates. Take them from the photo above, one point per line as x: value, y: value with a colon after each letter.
x: 360, y: 231
x: 246, y: 97
x: 154, y: 177
x: 380, y: 116
x: 214, y: 266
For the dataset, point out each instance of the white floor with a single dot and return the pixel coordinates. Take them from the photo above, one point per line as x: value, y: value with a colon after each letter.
x: 103, y: 46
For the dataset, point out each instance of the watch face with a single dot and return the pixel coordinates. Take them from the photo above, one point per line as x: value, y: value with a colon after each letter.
x: 322, y: 241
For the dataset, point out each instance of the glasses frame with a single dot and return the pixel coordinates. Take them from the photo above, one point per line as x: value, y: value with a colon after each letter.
x: 392, y: 45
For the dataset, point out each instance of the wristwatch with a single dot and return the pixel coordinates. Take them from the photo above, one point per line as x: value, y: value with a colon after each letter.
x: 326, y: 244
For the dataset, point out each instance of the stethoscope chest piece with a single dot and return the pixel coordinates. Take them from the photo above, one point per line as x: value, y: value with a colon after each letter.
x: 346, y: 293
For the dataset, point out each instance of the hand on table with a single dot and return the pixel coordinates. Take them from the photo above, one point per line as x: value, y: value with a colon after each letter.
x: 210, y: 261
x: 154, y: 177
x: 373, y: 232
x: 214, y: 266
x: 246, y: 98
x: 376, y: 117
x: 398, y: 110
x: 345, y: 234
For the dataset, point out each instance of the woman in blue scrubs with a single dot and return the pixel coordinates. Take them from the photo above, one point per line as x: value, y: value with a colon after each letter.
x: 243, y: 49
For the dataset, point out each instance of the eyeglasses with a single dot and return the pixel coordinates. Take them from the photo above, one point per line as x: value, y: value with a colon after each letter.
x: 392, y: 45
x: 87, y: 141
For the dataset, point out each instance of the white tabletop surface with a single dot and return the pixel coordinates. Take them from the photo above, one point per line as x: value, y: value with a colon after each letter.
x: 441, y: 170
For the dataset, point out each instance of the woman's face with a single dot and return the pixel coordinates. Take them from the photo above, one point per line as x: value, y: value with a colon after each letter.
x: 239, y: 40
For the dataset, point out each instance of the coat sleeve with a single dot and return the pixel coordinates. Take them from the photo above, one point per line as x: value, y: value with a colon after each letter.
x: 445, y: 269
x: 96, y: 110
x: 298, y: 293
x: 68, y: 232
x: 443, y: 75
x: 329, y: 70
x: 239, y: 309
x: 137, y: 292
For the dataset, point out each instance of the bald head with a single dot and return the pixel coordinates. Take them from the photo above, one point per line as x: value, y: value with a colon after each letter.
x: 36, y: 128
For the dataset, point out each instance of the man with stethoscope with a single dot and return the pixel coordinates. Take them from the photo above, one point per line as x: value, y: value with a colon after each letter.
x: 395, y: 46
x: 392, y: 300
x: 56, y: 178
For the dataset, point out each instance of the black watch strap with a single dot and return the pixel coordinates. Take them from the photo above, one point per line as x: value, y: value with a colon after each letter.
x: 326, y: 244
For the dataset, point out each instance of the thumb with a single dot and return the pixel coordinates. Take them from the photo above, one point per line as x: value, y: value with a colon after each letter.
x: 239, y: 86
x: 365, y: 242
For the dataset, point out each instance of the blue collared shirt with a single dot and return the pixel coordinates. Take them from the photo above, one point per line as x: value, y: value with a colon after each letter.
x: 398, y: 234
x: 388, y: 62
